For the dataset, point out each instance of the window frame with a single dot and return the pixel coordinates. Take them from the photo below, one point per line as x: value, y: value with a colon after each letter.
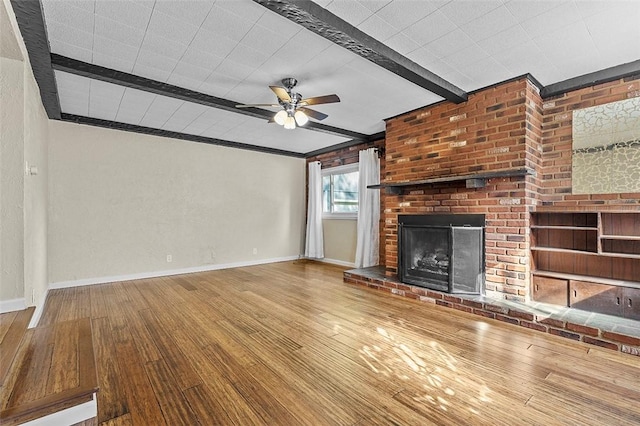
x: 339, y: 170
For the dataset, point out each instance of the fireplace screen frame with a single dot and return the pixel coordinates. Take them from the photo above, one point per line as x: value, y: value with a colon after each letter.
x: 449, y: 285
x: 424, y: 276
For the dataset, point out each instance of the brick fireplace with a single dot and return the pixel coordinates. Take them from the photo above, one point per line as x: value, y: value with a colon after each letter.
x: 496, y: 130
x: 467, y: 159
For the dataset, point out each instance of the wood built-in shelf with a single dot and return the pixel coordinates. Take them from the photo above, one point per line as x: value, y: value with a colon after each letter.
x: 562, y: 250
x: 476, y: 180
x: 570, y: 228
x: 619, y: 237
x: 591, y: 253
x: 587, y: 260
x: 608, y: 281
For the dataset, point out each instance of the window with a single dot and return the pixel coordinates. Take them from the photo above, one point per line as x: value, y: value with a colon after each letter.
x: 340, y: 192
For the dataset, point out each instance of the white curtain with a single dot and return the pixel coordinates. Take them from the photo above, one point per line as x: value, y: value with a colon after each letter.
x: 314, y: 247
x: 367, y: 248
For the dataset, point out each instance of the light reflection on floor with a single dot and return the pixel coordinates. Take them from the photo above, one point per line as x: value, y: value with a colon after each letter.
x: 431, y: 374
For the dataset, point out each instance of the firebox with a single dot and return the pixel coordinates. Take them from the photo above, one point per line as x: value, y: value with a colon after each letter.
x: 442, y: 252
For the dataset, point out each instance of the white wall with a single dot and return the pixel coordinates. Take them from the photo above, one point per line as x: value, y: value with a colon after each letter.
x: 36, y: 191
x: 340, y: 239
x: 121, y: 202
x: 11, y: 179
x: 106, y: 203
x: 23, y: 199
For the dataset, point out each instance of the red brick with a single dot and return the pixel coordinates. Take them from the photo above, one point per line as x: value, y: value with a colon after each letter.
x: 505, y: 318
x: 563, y: 333
x: 524, y: 315
x: 551, y: 321
x: 600, y: 343
x: 419, y: 291
x: 473, y: 304
x: 533, y: 326
x: 582, y: 329
x: 496, y: 308
x: 435, y: 295
x: 452, y: 299
x: 484, y: 313
x: 462, y: 307
x: 621, y: 338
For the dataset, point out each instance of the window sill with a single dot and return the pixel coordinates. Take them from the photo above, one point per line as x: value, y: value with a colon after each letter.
x: 334, y: 216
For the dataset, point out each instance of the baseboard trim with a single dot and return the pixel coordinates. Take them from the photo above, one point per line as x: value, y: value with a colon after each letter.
x: 143, y: 275
x: 12, y: 305
x: 35, y: 319
x: 338, y: 262
x: 69, y: 416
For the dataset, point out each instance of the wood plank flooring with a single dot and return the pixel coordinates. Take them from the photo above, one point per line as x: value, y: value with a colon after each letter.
x: 291, y: 344
x: 53, y: 369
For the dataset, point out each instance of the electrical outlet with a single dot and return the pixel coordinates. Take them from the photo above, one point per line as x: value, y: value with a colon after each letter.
x: 169, y: 258
x: 255, y: 250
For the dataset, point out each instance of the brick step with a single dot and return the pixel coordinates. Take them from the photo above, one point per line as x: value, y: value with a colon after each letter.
x: 53, y: 373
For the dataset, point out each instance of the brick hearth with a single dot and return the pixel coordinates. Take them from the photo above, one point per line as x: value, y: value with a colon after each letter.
x: 606, y: 331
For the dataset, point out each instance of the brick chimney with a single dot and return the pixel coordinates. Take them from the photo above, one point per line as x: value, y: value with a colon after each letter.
x: 497, y: 129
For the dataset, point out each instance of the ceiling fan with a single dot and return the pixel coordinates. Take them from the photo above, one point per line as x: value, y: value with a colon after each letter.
x: 294, y: 107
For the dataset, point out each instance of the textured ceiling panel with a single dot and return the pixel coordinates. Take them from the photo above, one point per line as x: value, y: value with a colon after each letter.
x: 352, y: 11
x: 461, y: 12
x: 132, y: 13
x: 235, y: 49
x: 194, y: 12
x: 106, y: 101
x: 478, y: 42
x: 76, y: 93
x: 116, y: 31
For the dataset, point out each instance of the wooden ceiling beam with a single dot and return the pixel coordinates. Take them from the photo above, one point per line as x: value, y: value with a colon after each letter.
x: 31, y: 22
x: 324, y: 23
x: 108, y: 75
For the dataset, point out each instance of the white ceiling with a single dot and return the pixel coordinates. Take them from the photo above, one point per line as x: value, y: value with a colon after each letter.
x: 234, y: 49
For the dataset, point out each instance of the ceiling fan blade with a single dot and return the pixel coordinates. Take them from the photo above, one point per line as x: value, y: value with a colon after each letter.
x: 313, y: 113
x: 316, y: 100
x: 281, y: 93
x: 257, y: 105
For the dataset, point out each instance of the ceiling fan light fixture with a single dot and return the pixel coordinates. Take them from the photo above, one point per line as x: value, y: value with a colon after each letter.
x: 289, y: 116
x: 289, y: 123
x: 301, y: 118
x: 280, y: 117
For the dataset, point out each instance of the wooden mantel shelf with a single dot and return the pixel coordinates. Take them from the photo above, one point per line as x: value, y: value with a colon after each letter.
x: 478, y: 180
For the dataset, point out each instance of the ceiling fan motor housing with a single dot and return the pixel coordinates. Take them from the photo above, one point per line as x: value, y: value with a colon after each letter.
x: 289, y: 82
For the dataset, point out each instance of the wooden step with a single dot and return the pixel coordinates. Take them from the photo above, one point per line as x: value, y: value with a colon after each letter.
x: 13, y: 326
x: 54, y: 370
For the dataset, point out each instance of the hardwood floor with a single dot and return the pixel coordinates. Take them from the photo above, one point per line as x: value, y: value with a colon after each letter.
x: 291, y: 344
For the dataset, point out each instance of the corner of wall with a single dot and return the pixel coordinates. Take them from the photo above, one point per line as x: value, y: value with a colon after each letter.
x: 26, y: 129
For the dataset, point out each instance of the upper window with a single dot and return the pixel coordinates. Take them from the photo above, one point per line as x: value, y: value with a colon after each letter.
x: 340, y: 192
